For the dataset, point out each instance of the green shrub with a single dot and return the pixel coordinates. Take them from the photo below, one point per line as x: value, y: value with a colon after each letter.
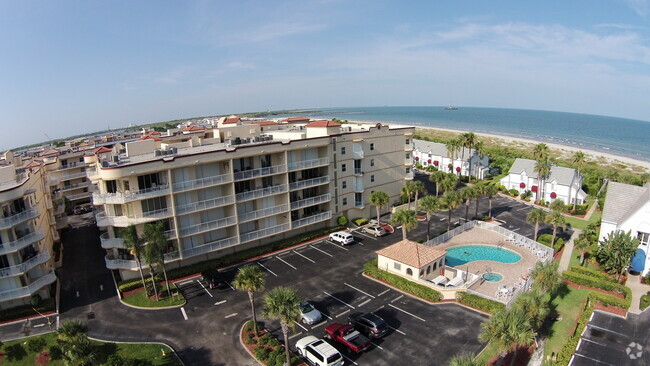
x: 45, y: 306
x: 597, y: 282
x: 265, y: 339
x: 513, y: 192
x: 579, y: 211
x: 564, y: 356
x: 478, y: 302
x: 606, y: 299
x: 342, y: 221
x: 360, y: 222
x: 35, y: 300
x: 592, y: 272
x: 248, y: 327
x: 545, y: 239
x: 559, y: 243
x: 36, y: 344
x: 371, y: 269
x: 644, y: 302
x: 55, y: 352
x: 261, y: 353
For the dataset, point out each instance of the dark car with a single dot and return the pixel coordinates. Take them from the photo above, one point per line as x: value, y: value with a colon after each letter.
x: 369, y: 323
x: 213, y: 279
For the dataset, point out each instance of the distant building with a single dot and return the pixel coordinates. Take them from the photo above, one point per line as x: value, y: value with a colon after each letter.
x: 435, y: 154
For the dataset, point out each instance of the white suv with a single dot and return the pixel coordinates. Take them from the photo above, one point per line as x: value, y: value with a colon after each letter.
x: 318, y: 352
x: 342, y: 238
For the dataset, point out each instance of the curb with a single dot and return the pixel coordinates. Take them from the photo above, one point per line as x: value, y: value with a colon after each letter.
x: 156, y: 308
x: 126, y: 342
x: 20, y: 320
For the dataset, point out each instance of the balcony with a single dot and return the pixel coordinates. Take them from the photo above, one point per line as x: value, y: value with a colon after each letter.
x: 260, y: 172
x: 358, y: 185
x: 253, y: 235
x: 358, y: 204
x: 28, y: 290
x: 309, y: 183
x: 75, y: 186
x: 74, y: 164
x: 125, y: 197
x: 209, y: 247
x: 262, y: 192
x: 92, y: 173
x: 9, y: 221
x: 201, y: 183
x: 306, y: 164
x: 270, y: 211
x: 26, y: 265
x: 132, y: 264
x: 123, y: 221
x: 409, y: 175
x: 208, y: 226
x: 21, y: 243
x: 357, y: 151
x: 358, y: 171
x: 311, y: 219
x: 204, y: 205
x: 311, y: 201
x: 79, y: 196
x: 61, y: 222
x: 57, y: 178
x: 108, y: 242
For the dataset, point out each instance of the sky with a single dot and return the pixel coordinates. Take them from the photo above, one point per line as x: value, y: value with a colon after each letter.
x: 73, y: 67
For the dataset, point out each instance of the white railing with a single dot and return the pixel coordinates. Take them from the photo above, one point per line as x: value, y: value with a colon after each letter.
x: 56, y: 178
x: 309, y: 182
x: 124, y: 197
x: 123, y: 221
x: 270, y: 211
x: 92, y: 173
x: 311, y: 219
x: 112, y: 263
x: 203, y: 205
x: 21, y: 243
x: 10, y: 221
x: 108, y: 242
x: 264, y: 232
x: 209, y: 247
x: 26, y: 265
x: 28, y: 290
x: 305, y: 164
x: 75, y: 186
x: 201, y: 182
x: 262, y: 192
x: 247, y: 174
x: 357, y: 151
x: 311, y: 201
x: 358, y: 204
x: 408, y: 175
x: 207, y: 226
x: 72, y: 165
x: 358, y: 171
x: 78, y: 196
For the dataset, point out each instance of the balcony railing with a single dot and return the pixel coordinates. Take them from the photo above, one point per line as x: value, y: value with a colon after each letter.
x: 124, y: 221
x: 75, y: 186
x: 28, y: 290
x: 306, y: 164
x: 201, y: 183
x: 56, y: 178
x: 92, y: 173
x: 72, y: 165
x: 309, y: 182
x: 311, y: 201
x: 209, y: 247
x: 203, y: 205
x: 311, y: 219
x: 208, y: 226
x: 21, y: 243
x: 262, y: 192
x: 265, y: 212
x: 79, y: 196
x: 9, y: 221
x: 108, y: 242
x: 358, y: 204
x: 358, y: 171
x: 357, y: 151
x: 26, y: 265
x: 258, y: 234
x: 260, y: 172
x: 124, y: 197
x: 132, y: 264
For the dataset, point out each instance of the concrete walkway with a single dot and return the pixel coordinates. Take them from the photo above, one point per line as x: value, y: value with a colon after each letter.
x: 638, y: 290
x: 568, y: 251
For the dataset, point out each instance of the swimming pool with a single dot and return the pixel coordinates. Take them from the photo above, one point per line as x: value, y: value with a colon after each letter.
x: 492, y: 277
x: 458, y: 256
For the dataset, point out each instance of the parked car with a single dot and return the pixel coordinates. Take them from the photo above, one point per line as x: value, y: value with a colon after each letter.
x: 375, y: 230
x: 309, y: 314
x: 370, y: 324
x: 347, y: 336
x: 213, y: 279
x: 318, y: 352
x: 342, y: 237
x: 78, y: 210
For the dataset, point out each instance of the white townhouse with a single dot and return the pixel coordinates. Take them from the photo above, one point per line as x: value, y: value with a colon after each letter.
x: 435, y: 154
x: 627, y: 208
x: 561, y: 184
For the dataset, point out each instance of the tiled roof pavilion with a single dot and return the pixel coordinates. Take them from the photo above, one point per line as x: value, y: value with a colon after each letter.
x: 411, y: 253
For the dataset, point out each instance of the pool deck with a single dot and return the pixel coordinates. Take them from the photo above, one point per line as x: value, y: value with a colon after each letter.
x: 511, y: 272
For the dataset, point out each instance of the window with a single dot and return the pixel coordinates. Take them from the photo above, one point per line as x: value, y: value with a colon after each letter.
x: 342, y: 150
x: 343, y: 167
x: 372, y: 162
x: 345, y: 201
x: 315, y: 354
x: 408, y: 170
x: 397, y: 266
x: 644, y: 238
x: 372, y: 146
x: 344, y: 185
x: 408, y: 141
x: 408, y: 155
x: 409, y: 272
x: 372, y: 178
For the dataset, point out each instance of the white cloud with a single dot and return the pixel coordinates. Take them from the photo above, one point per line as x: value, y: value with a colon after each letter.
x: 640, y: 7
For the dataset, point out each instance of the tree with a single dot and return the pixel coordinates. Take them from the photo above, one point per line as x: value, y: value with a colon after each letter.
x: 543, y: 169
x: 418, y: 188
x: 452, y: 151
x: 379, y: 199
x: 150, y: 255
x: 479, y: 148
x: 407, y: 218
x: 79, y: 351
x: 251, y: 279
x: 582, y: 244
x: 540, y: 152
x: 464, y: 360
x: 579, y: 162
x: 508, y: 330
x: 536, y: 215
x: 556, y: 218
x: 546, y: 277
x: 154, y: 236
x: 616, y: 251
x: 451, y: 200
x: 437, y: 177
x: 557, y: 205
x: 407, y: 190
x: 133, y: 242
x: 282, y: 303
x: 467, y: 194
x: 449, y: 184
x: 477, y: 191
x: 71, y: 328
x: 430, y: 205
x: 534, y: 307
x: 490, y: 191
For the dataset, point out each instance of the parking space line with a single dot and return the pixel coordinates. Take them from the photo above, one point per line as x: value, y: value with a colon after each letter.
x: 349, y: 360
x: 229, y: 285
x: 363, y: 292
x: 266, y: 269
x: 318, y: 324
x: 322, y: 251
x: 397, y: 298
x: 515, y: 229
x: 230, y: 315
x: 206, y: 290
x: 307, y: 258
x: 397, y: 330
x: 325, y: 315
x: 295, y: 335
x: 368, y: 236
x: 363, y: 303
x: 607, y: 330
x: 336, y: 245
x: 376, y: 345
x: 185, y: 283
x: 298, y: 324
x: 285, y: 262
x: 592, y: 359
x: 343, y: 313
x: 339, y: 300
x: 220, y: 302
x: 406, y: 312
x: 184, y: 313
x: 383, y: 292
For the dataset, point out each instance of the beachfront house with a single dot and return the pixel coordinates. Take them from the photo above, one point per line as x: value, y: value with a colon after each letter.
x: 435, y: 154
x: 412, y: 260
x: 627, y: 208
x: 561, y: 184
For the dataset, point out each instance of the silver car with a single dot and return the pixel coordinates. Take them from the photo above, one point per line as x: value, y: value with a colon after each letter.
x: 375, y: 230
x: 309, y: 314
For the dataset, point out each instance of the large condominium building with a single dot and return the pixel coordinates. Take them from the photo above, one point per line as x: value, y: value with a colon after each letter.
x: 238, y: 185
x: 27, y: 233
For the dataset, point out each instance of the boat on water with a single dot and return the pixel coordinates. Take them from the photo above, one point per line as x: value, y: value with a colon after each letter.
x: 451, y: 108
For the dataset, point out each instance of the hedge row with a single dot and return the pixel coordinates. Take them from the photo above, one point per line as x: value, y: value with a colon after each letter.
x: 606, y: 299
x: 564, y: 356
x: 546, y: 240
x: 478, y: 302
x: 371, y: 269
x: 44, y: 306
x: 229, y: 259
x: 591, y: 281
x: 592, y: 272
x: 268, y: 349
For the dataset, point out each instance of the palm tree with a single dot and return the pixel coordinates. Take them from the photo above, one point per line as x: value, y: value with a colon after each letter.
x: 407, y: 218
x: 418, y: 188
x: 534, y: 307
x: 379, y: 199
x: 582, y: 244
x: 479, y: 148
x: 579, y: 162
x: 490, y: 191
x: 437, y: 177
x: 540, y: 152
x: 150, y: 255
x: 464, y: 360
x: 71, y: 328
x: 508, y: 330
x: 452, y: 151
x: 543, y: 169
x: 449, y: 184
x: 133, y: 242
x: 467, y: 194
x: 251, y: 279
x: 546, y: 277
x: 477, y: 192
x: 462, y: 142
x: 430, y: 205
x: 556, y: 218
x: 536, y: 215
x: 452, y: 200
x: 79, y: 351
x: 407, y: 190
x: 558, y: 205
x: 282, y: 303
x: 154, y: 236
x: 616, y: 251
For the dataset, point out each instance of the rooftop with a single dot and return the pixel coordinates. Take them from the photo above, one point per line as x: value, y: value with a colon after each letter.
x: 623, y: 200
x: 411, y: 253
x: 560, y: 174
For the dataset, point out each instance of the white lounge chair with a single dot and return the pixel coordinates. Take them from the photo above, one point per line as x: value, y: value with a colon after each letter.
x: 511, y: 237
x: 440, y: 280
x: 455, y: 282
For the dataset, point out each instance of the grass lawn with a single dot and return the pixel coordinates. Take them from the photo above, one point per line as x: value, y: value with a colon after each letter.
x: 569, y: 308
x: 17, y: 352
x: 488, y: 353
x: 575, y: 260
x: 140, y: 298
x: 645, y: 301
x: 582, y: 224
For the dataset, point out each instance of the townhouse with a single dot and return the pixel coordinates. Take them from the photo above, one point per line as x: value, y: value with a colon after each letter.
x: 435, y: 154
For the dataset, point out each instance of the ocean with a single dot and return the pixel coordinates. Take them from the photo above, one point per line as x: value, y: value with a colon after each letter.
x: 617, y: 136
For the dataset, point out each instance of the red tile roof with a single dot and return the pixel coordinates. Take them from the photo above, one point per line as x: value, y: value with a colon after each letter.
x: 149, y: 137
x: 323, y: 123
x: 411, y: 253
x: 102, y: 150
x: 298, y: 119
x: 193, y: 129
x: 265, y: 123
x: 231, y: 120
x: 50, y: 152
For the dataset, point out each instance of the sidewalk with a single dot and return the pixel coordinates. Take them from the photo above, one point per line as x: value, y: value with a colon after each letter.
x: 638, y: 290
x: 568, y: 251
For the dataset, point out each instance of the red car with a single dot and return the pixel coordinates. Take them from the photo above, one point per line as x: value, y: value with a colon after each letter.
x: 348, y: 336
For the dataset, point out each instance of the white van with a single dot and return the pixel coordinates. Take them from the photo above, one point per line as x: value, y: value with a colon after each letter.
x: 342, y: 237
x: 318, y: 352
